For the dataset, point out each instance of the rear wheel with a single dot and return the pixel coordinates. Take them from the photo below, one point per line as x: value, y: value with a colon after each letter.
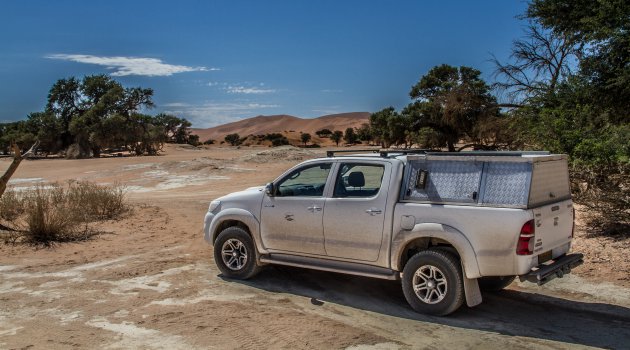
x: 432, y: 282
x: 495, y: 283
x: 234, y: 254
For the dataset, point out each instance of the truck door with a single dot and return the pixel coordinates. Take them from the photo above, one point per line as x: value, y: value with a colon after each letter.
x: 354, y: 216
x: 291, y: 219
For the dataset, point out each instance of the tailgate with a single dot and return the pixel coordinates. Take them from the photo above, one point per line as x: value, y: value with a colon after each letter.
x: 553, y: 228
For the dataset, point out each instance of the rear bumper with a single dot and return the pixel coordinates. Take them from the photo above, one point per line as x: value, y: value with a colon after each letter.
x: 558, y: 268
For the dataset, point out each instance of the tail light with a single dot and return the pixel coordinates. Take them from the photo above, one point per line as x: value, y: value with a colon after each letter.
x: 525, y: 245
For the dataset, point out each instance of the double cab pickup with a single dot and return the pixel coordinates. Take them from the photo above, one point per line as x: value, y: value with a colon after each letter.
x: 448, y: 225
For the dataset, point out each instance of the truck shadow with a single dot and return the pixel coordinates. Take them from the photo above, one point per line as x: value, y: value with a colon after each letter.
x: 510, y: 312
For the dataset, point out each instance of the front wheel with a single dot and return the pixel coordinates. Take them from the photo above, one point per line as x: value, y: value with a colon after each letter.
x: 234, y: 254
x: 432, y: 282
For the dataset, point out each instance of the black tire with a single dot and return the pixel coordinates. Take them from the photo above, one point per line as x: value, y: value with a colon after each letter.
x: 495, y: 283
x: 443, y: 266
x: 242, y: 265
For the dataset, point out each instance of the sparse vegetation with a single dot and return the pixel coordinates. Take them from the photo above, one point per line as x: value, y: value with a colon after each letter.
x: 336, y: 137
x: 323, y: 133
x: 233, y: 139
x: 277, y: 139
x: 350, y: 136
x: 305, y: 138
x: 59, y: 213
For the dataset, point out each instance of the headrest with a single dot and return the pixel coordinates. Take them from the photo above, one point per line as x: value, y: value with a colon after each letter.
x: 356, y: 179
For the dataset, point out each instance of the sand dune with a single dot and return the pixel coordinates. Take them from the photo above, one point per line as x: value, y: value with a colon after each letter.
x: 261, y: 125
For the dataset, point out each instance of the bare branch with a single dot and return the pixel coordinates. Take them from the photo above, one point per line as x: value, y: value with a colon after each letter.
x: 540, y: 61
x: 31, y: 150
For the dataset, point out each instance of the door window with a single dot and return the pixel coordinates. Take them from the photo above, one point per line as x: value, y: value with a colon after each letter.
x: 307, y: 181
x: 358, y: 180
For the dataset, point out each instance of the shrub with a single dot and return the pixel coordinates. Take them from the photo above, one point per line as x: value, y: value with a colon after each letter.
x: 208, y: 142
x: 59, y: 213
x: 233, y: 139
x: 277, y: 139
x: 11, y: 206
x: 193, y: 140
x: 280, y: 142
x: 50, y: 218
x: 323, y: 133
x: 97, y: 202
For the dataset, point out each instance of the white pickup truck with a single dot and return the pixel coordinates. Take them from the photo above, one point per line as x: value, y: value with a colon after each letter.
x: 445, y: 224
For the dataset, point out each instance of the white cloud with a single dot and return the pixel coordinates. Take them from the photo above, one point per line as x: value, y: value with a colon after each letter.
x: 248, y: 90
x: 212, y: 114
x: 331, y: 91
x: 327, y: 110
x: 123, y: 66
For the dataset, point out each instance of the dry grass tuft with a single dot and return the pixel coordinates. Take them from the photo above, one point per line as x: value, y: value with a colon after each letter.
x: 59, y: 213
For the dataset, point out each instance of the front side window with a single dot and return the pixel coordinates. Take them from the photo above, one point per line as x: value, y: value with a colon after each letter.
x: 358, y: 180
x: 307, y: 181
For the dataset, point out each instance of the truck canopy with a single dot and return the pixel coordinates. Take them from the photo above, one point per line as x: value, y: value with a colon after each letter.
x: 511, y: 180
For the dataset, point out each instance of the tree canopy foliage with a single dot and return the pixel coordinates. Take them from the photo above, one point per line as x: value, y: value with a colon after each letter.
x: 449, y: 105
x: 568, y: 87
x: 85, y: 116
x: 585, y: 112
x: 336, y: 136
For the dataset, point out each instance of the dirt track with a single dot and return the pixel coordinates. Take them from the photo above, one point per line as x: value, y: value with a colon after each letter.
x: 151, y: 283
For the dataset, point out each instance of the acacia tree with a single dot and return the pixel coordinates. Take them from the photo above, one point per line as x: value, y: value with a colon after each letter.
x: 336, y: 137
x: 539, y: 62
x: 379, y: 125
x: 83, y: 107
x: 364, y: 132
x: 305, y: 138
x: 452, y: 101
x: 350, y: 136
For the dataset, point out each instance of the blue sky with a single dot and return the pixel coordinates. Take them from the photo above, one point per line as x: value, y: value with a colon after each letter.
x: 219, y: 61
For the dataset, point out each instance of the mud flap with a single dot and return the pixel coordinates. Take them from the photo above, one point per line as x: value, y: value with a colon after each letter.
x: 471, y: 290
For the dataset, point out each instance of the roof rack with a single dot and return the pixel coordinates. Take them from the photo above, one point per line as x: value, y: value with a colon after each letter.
x: 381, y: 152
x: 384, y: 153
x: 402, y: 152
x: 492, y: 153
x: 331, y: 154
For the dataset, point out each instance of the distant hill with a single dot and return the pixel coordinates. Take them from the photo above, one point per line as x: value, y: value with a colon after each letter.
x: 284, y: 124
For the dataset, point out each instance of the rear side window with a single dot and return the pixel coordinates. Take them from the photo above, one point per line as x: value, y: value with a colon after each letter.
x: 358, y: 180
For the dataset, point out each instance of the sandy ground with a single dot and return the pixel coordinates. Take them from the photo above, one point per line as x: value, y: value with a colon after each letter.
x: 150, y: 281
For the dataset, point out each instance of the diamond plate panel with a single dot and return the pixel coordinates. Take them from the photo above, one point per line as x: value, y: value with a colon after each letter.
x: 506, y: 183
x: 448, y: 181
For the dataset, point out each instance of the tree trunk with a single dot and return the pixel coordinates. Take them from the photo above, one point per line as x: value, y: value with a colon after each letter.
x: 17, y: 159
x: 451, y: 146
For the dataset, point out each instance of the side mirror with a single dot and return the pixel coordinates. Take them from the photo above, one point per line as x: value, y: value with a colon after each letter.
x: 269, y: 190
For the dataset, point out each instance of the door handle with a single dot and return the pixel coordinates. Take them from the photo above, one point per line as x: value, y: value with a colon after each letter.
x: 373, y: 211
x: 314, y: 208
